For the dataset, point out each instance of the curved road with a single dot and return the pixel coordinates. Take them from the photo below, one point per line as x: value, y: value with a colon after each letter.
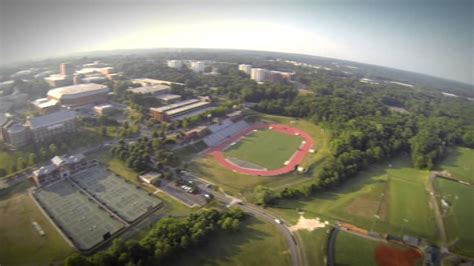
x: 294, y: 248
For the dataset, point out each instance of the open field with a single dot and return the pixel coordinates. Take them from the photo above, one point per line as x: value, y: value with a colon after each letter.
x: 314, y: 245
x: 354, y: 250
x: 21, y: 244
x: 459, y: 217
x: 388, y: 192
x: 459, y: 163
x: 266, y: 148
x: 257, y: 243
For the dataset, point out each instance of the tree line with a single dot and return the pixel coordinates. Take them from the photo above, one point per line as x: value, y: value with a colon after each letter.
x: 164, y: 243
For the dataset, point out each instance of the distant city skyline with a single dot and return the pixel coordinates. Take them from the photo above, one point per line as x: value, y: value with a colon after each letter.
x: 430, y: 37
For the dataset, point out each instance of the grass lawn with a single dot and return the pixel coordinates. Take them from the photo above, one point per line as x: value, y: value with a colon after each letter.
x: 389, y: 192
x: 257, y: 243
x: 459, y: 218
x: 315, y: 245
x: 20, y: 243
x: 266, y: 148
x: 460, y: 164
x: 354, y: 250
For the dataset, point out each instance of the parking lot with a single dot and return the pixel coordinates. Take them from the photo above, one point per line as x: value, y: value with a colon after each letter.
x: 123, y: 198
x: 189, y: 199
x: 80, y: 218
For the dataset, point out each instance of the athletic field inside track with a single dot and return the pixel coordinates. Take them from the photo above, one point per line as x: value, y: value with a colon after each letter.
x: 264, y: 150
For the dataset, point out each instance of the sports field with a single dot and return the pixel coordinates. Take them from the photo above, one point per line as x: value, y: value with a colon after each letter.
x: 266, y: 148
x: 381, y: 199
x: 459, y: 216
x: 127, y: 200
x: 256, y: 243
x: 80, y: 218
x: 355, y: 250
x: 21, y: 244
x: 459, y: 163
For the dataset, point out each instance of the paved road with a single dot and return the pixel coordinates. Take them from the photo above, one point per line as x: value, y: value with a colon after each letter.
x: 294, y: 248
x: 330, y: 247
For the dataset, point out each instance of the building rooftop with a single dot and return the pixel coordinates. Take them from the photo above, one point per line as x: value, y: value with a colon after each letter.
x: 44, y: 102
x: 168, y: 96
x: 186, y: 108
x: 79, y: 90
x: 174, y: 105
x: 51, y: 119
x: 150, y: 89
x: 44, y: 170
x: 150, y: 176
x: 56, y: 77
x: 154, y: 81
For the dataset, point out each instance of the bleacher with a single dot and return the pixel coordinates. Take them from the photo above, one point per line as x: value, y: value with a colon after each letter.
x: 224, y: 130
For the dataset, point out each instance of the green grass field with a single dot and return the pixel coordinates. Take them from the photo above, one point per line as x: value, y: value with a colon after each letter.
x: 373, y: 193
x: 257, y: 243
x: 314, y: 245
x: 354, y: 250
x: 20, y: 243
x: 266, y: 148
x: 460, y: 164
x: 459, y: 218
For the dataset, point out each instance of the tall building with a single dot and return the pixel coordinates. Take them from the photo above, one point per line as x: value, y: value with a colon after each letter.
x: 198, y: 66
x: 247, y: 69
x: 258, y: 74
x: 175, y: 63
x: 66, y: 69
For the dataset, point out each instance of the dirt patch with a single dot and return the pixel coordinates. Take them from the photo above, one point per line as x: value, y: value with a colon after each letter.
x: 307, y: 224
x: 390, y: 256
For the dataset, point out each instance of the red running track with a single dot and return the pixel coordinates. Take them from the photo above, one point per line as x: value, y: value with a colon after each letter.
x: 296, y: 159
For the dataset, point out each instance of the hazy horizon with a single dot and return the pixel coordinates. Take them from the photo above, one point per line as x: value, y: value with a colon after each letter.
x: 428, y: 37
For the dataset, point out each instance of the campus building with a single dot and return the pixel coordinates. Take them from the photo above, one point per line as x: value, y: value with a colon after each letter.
x: 45, y: 106
x: 104, y: 109
x: 39, y: 128
x: 258, y: 74
x: 78, y: 95
x: 261, y: 75
x: 46, y: 127
x: 155, y: 89
x: 169, y: 98
x: 59, y: 167
x: 247, y: 69
x: 175, y: 63
x: 15, y: 134
x: 168, y: 112
x: 198, y: 66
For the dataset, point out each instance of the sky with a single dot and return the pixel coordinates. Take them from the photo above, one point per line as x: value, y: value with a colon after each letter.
x: 433, y: 37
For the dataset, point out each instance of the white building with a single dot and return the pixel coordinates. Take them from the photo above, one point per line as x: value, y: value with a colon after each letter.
x: 175, y: 63
x: 198, y: 66
x: 245, y: 68
x: 258, y: 74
